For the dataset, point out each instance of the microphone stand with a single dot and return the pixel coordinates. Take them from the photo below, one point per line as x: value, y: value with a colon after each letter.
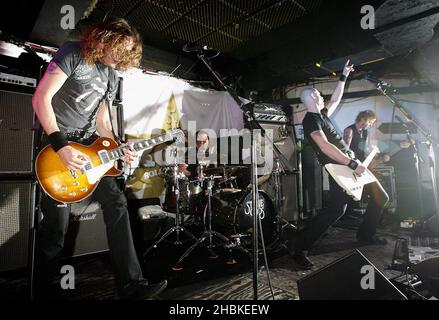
x: 254, y: 124
x: 430, y: 142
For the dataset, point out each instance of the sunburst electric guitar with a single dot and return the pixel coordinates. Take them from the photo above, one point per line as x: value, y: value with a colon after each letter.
x: 70, y: 186
x: 350, y: 182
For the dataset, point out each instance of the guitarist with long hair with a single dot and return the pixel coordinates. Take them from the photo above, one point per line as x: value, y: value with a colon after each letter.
x: 356, y: 136
x: 330, y: 148
x: 71, y: 103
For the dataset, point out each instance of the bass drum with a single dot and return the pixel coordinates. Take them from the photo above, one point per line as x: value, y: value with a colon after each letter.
x: 232, y: 215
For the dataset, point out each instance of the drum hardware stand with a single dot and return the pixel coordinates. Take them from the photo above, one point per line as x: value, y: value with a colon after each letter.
x: 209, y: 233
x: 248, y: 114
x: 177, y: 227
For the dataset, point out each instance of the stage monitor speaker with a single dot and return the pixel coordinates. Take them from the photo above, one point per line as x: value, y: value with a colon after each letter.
x: 428, y: 273
x: 352, y: 277
x: 17, y: 208
x: 16, y: 133
x: 86, y: 233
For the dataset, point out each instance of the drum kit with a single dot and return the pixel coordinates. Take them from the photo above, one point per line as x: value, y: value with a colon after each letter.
x: 220, y: 199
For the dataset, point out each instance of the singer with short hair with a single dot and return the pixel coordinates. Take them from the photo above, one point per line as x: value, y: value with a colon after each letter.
x: 329, y: 146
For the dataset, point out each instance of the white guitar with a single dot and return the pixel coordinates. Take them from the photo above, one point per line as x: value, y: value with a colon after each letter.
x: 350, y: 182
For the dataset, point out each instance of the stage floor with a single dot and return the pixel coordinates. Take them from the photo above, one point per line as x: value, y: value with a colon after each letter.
x: 229, y: 277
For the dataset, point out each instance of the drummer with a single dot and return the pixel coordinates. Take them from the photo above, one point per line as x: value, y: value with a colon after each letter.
x: 192, y: 170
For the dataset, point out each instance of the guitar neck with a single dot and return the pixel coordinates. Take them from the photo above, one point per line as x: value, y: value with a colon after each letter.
x: 118, y: 153
x: 370, y: 157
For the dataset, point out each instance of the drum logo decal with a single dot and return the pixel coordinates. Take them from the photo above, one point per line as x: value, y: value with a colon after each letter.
x: 248, y: 208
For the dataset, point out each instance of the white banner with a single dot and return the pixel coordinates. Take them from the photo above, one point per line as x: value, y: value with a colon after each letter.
x: 154, y: 104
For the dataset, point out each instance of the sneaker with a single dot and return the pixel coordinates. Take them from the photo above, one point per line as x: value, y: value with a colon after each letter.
x: 301, y: 259
x: 141, y: 290
x: 374, y: 240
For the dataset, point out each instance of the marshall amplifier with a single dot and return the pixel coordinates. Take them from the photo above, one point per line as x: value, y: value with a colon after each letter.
x: 86, y: 233
x: 265, y: 112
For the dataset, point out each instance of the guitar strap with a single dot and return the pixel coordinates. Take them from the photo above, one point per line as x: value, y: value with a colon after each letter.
x: 109, y: 98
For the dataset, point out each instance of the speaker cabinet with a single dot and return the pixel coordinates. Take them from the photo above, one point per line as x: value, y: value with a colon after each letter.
x: 284, y: 140
x: 86, y: 233
x: 410, y: 201
x: 352, y: 277
x: 283, y: 137
x: 386, y: 177
x: 16, y: 133
x: 289, y: 196
x: 17, y: 208
x: 312, y: 181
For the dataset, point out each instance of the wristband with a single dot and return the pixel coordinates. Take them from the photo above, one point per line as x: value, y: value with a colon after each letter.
x: 353, y: 164
x: 58, y: 140
x: 343, y: 78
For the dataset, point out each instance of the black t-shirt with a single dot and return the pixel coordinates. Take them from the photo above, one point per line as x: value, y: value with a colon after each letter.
x: 316, y: 122
x: 76, y: 102
x: 358, y: 143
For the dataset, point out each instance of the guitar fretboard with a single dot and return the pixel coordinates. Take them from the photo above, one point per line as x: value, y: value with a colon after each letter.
x: 117, y: 153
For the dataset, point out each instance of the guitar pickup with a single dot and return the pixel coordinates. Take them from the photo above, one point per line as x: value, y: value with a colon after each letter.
x: 103, y: 155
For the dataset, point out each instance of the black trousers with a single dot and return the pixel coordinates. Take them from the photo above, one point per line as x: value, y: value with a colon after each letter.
x: 377, y: 199
x: 54, y: 225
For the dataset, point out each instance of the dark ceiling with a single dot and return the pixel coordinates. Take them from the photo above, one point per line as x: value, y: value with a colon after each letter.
x: 262, y: 44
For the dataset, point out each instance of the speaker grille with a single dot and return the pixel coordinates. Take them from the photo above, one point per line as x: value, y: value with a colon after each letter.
x: 16, y: 111
x: 16, y: 133
x: 16, y: 157
x: 16, y: 213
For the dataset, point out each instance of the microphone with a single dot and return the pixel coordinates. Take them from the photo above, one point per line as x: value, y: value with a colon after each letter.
x: 195, y: 47
x: 376, y: 81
